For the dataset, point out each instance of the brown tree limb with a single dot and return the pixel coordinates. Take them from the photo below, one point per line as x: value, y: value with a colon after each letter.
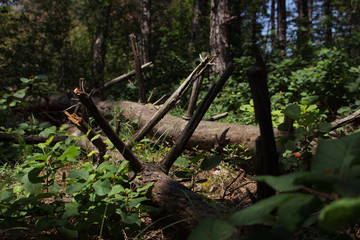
x: 185, y: 135
x: 170, y: 103
x: 123, y: 77
x: 89, y: 133
x: 346, y: 120
x: 136, y: 163
x: 219, y: 116
x: 29, y: 139
x: 137, y: 65
x: 193, y: 98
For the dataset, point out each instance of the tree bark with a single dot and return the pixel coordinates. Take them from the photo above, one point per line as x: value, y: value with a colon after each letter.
x: 137, y: 66
x: 219, y: 34
x: 303, y: 29
x: 99, y: 45
x: 145, y: 29
x: 208, y: 135
x: 198, y: 11
x: 281, y: 25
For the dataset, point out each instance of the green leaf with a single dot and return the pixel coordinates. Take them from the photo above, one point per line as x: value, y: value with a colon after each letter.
x: 54, y: 188
x: 134, y: 202
x: 71, y: 210
x: 291, y: 145
x: 283, y: 183
x: 129, y: 219
x: 75, y: 187
x: 25, y: 80
x: 181, y: 162
x: 95, y: 137
x: 33, y: 175
x: 212, y: 228
x: 184, y: 173
x: 294, y: 212
x: 68, y: 231
x: 337, y: 156
x: 339, y: 213
x: 71, y: 152
x: 198, y: 157
x: 20, y: 93
x: 48, y: 142
x: 91, y: 153
x: 259, y: 213
x: 80, y: 173
x: 293, y: 111
x: 210, y: 162
x: 32, y: 188
x: 102, y: 187
x: 116, y: 189
x: 325, y: 127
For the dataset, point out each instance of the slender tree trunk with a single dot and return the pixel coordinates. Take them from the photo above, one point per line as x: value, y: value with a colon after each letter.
x: 198, y: 11
x: 328, y: 21
x: 303, y: 28
x: 99, y: 44
x: 145, y: 28
x: 219, y: 34
x: 272, y: 23
x: 281, y: 25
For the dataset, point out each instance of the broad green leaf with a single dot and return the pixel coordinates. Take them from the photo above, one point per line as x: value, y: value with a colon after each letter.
x: 259, y: 213
x: 309, y: 100
x: 48, y: 131
x: 91, y: 153
x: 295, y: 211
x: 141, y: 189
x: 102, y: 187
x: 129, y: 219
x: 32, y: 188
x: 25, y: 80
x: 54, y: 188
x: 283, y: 183
x: 212, y: 228
x: 210, y: 162
x: 184, y: 173
x: 116, y: 189
x: 348, y: 188
x: 181, y: 162
x: 337, y: 156
x: 48, y: 142
x: 134, y: 202
x: 75, y: 187
x: 325, y: 127
x: 68, y: 231
x: 339, y: 213
x: 20, y: 93
x: 293, y: 111
x: 291, y: 145
x: 198, y: 157
x: 71, y: 210
x: 71, y: 152
x: 34, y: 173
x: 80, y: 173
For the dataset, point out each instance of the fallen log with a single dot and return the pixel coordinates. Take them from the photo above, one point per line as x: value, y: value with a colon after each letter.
x: 208, y: 135
x: 29, y: 139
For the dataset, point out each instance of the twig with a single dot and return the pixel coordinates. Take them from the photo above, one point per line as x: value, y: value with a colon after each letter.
x: 151, y: 94
x: 219, y: 116
x: 163, y: 96
x: 232, y: 182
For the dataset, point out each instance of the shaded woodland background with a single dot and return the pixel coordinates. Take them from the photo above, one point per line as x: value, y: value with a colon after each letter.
x: 309, y: 52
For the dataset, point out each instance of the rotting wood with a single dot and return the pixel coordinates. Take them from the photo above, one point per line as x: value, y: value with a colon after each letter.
x: 190, y: 127
x: 170, y: 103
x: 137, y: 65
x: 193, y: 98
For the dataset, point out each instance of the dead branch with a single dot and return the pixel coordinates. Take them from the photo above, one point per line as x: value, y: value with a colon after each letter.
x: 89, y: 133
x: 346, y: 120
x: 185, y: 135
x: 136, y: 163
x: 30, y: 139
x: 219, y: 116
x: 170, y: 103
x: 123, y: 77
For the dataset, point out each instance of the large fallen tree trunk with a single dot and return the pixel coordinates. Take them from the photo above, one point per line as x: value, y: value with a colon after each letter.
x: 208, y: 134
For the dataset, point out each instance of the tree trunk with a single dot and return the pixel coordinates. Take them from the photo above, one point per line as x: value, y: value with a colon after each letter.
x: 198, y: 11
x: 208, y: 135
x: 281, y: 25
x: 219, y: 34
x: 145, y: 28
x: 303, y: 29
x: 328, y: 22
x: 99, y: 45
x: 272, y: 23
